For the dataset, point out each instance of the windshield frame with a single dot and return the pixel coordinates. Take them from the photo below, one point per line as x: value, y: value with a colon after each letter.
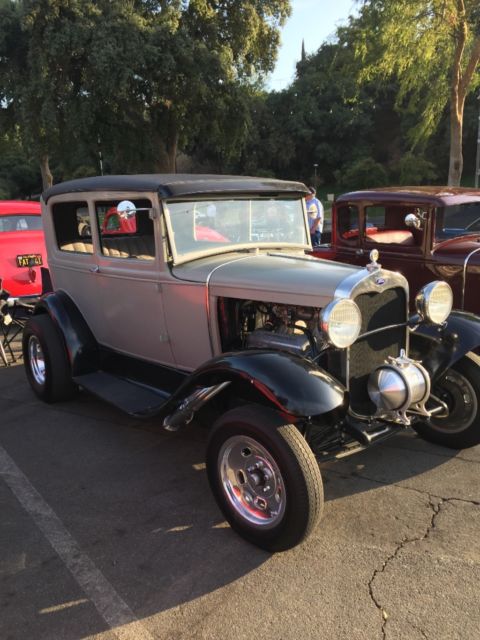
x: 179, y: 258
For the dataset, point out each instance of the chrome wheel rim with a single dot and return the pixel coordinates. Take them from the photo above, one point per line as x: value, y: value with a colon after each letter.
x: 36, y: 360
x: 252, y: 482
x: 459, y: 395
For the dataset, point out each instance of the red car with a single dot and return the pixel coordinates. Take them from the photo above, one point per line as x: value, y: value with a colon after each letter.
x: 22, y: 248
x: 124, y: 222
x: 426, y: 233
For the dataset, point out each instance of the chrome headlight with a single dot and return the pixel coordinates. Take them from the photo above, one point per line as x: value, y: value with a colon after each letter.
x: 341, y: 322
x: 434, y: 302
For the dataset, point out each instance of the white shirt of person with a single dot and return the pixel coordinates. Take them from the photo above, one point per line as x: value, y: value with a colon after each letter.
x: 315, y: 210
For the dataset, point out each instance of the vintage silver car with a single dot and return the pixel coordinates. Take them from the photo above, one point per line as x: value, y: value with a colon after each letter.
x: 192, y: 296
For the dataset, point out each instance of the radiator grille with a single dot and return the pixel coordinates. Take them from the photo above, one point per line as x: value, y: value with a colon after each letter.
x: 378, y: 310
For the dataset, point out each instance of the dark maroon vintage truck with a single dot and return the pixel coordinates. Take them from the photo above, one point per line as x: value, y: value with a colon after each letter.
x: 426, y: 233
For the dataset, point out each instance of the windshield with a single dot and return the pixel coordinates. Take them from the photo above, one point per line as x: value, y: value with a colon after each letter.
x: 219, y: 225
x: 20, y: 222
x: 457, y: 220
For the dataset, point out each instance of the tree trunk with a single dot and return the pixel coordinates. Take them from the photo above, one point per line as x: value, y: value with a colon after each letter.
x: 456, y: 153
x: 461, y: 80
x: 172, y: 146
x: 47, y: 178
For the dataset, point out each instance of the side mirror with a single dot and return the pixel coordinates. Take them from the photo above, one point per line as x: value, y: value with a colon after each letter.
x: 126, y: 209
x: 411, y: 220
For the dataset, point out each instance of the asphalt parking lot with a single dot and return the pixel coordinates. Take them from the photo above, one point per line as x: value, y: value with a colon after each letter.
x: 108, y: 530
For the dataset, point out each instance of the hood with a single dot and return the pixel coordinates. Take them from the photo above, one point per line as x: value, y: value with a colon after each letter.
x: 459, y: 246
x: 295, y: 279
x: 21, y: 281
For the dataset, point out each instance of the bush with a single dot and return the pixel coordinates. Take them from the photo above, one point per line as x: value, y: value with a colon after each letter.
x: 364, y: 173
x: 415, y: 170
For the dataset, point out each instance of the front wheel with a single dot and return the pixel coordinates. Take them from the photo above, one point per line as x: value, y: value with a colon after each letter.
x: 264, y: 477
x: 459, y: 388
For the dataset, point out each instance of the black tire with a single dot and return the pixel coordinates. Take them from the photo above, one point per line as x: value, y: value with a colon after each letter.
x: 296, y: 493
x: 46, y: 361
x: 459, y: 387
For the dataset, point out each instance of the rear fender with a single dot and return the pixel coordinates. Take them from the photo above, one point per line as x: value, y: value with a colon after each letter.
x: 82, y: 348
x: 440, y: 347
x: 289, y: 383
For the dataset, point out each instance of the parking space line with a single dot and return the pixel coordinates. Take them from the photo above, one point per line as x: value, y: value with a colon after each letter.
x: 116, y: 613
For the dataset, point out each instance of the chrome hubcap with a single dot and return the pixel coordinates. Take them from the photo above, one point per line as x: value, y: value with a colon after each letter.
x: 36, y: 359
x: 252, y: 481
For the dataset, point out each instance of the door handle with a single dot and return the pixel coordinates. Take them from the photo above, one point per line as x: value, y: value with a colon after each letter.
x: 359, y: 252
x: 95, y: 269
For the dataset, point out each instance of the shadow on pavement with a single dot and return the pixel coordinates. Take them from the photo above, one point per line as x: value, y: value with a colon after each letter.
x: 137, y: 501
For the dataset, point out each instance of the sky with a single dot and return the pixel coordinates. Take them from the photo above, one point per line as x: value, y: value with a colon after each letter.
x: 313, y: 21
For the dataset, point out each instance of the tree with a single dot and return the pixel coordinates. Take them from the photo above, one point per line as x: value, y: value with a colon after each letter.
x: 145, y: 77
x: 433, y: 48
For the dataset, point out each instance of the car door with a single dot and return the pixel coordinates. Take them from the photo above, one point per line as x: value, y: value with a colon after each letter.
x: 401, y: 248
x: 347, y: 234
x: 128, y: 281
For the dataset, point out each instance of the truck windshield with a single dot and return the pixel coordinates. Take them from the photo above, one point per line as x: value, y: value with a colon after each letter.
x: 210, y: 226
x: 457, y: 220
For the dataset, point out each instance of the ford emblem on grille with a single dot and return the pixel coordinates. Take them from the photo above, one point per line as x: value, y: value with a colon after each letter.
x: 380, y: 281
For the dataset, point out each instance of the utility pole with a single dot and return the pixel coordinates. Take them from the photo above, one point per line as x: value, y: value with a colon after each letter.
x: 100, y: 159
x: 315, y: 167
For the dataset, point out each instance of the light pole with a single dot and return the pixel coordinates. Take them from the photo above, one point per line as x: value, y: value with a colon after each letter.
x: 477, y: 163
x: 100, y: 159
x: 315, y: 167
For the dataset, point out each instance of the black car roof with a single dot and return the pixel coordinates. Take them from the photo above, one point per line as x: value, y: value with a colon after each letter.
x: 180, y: 184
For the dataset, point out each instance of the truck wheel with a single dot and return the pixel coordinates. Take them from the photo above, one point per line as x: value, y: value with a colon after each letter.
x: 459, y: 388
x: 264, y: 477
x: 46, y: 362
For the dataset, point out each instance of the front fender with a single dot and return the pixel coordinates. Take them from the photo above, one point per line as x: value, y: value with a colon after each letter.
x: 440, y: 347
x: 292, y: 384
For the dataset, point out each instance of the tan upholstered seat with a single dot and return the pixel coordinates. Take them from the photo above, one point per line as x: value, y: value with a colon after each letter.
x: 79, y: 246
x: 140, y: 247
x: 402, y: 236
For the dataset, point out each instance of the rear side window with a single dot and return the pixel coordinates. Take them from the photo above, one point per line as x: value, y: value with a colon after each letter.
x: 20, y: 222
x: 72, y: 227
x: 126, y: 229
x: 347, y: 224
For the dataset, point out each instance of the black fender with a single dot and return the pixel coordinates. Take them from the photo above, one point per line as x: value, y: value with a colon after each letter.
x: 82, y: 348
x: 291, y: 384
x: 439, y: 347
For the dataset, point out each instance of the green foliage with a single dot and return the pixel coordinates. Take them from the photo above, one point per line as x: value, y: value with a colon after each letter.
x: 432, y: 49
x: 364, y: 173
x: 415, y: 170
x: 19, y: 175
x: 146, y: 78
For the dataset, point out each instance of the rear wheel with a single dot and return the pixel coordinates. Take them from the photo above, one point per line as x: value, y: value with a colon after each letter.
x: 46, y: 361
x: 264, y: 477
x: 459, y: 388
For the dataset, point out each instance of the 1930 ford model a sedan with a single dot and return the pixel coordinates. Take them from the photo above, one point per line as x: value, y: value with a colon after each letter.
x: 207, y: 306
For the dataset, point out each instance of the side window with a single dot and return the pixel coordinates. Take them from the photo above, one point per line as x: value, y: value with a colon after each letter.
x: 72, y: 227
x: 347, y: 224
x: 386, y: 225
x: 126, y: 229
x: 374, y: 218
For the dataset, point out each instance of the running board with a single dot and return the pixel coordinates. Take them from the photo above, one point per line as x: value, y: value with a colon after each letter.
x: 132, y: 398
